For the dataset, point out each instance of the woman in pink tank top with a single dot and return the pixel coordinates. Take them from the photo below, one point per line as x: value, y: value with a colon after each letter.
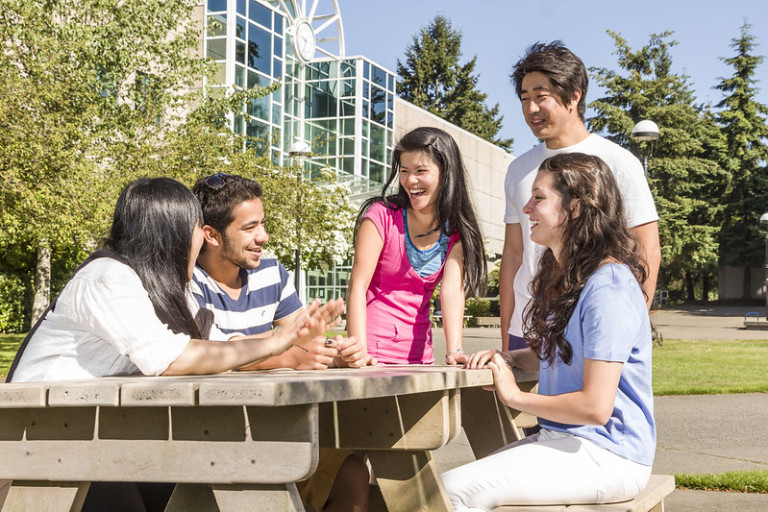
x: 408, y: 243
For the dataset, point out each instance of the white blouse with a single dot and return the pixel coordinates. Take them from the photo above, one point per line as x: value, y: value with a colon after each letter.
x: 103, y: 324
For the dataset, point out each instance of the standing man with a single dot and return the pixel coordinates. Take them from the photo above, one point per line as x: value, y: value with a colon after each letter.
x: 551, y: 83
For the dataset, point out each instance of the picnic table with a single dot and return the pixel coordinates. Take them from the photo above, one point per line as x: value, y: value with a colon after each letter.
x: 240, y: 440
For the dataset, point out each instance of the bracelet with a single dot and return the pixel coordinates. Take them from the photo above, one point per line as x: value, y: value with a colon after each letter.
x: 457, y: 351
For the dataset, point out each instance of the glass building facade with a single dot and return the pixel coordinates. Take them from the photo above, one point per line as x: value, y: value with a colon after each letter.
x: 343, y: 107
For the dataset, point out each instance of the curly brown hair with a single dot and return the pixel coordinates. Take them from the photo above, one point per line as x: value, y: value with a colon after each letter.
x: 597, y: 232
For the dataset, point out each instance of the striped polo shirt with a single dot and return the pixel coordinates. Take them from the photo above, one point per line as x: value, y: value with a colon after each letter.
x: 267, y: 295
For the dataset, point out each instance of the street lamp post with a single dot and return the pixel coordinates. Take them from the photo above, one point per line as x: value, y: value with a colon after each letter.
x: 645, y: 130
x: 764, y: 222
x: 299, y: 152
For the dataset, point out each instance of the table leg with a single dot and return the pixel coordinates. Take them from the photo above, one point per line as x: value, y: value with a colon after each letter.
x: 45, y: 496
x: 409, y: 481
x: 235, y: 498
x: 487, y: 422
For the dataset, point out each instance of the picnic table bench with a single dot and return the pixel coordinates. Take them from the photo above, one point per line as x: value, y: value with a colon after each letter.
x: 240, y: 441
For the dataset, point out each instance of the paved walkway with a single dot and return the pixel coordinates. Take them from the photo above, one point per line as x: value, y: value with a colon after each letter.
x: 688, y: 440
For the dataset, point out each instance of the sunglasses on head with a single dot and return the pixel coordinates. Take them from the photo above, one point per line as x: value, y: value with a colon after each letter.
x: 216, y: 181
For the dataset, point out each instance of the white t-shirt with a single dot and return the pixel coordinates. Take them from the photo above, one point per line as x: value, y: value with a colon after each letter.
x: 103, y: 324
x: 639, y: 208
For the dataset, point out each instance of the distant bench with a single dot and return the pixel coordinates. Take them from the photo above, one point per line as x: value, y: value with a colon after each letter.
x: 756, y: 323
x: 650, y: 500
x: 488, y: 321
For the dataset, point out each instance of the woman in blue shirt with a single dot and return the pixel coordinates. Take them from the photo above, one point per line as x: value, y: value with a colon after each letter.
x: 590, y: 337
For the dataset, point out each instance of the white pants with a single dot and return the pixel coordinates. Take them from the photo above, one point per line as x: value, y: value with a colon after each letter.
x: 545, y: 469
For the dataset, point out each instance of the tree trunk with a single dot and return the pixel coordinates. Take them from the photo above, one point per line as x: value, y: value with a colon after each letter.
x: 705, y: 284
x: 690, y: 286
x: 42, y: 281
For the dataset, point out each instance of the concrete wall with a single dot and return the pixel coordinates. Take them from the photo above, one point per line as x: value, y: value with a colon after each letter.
x: 730, y: 282
x: 486, y: 165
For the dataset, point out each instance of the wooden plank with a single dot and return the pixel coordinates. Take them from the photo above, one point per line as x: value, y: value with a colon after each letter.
x: 340, y: 384
x: 156, y: 392
x: 45, y: 496
x: 84, y: 394
x: 409, y: 481
x: 424, y: 421
x: 33, y: 394
x: 659, y: 487
x: 651, y: 499
x: 241, y: 498
x: 214, y: 445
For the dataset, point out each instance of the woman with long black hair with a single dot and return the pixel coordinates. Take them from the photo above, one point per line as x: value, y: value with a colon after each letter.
x: 406, y: 244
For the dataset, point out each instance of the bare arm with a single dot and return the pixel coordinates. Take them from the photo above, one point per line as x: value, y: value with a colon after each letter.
x: 648, y: 236
x: 207, y: 356
x: 511, y: 259
x: 452, y: 301
x: 368, y: 248
x: 591, y: 405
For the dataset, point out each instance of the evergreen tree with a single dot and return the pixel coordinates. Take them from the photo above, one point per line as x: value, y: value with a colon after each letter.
x: 683, y: 174
x: 743, y: 122
x: 432, y: 78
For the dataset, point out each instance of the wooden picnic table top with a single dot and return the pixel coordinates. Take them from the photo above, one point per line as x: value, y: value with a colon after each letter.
x: 256, y: 388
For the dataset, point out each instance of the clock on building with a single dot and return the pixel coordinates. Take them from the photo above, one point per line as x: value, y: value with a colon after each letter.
x: 304, y: 41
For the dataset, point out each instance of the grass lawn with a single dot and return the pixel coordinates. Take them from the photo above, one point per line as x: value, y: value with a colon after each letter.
x: 683, y: 367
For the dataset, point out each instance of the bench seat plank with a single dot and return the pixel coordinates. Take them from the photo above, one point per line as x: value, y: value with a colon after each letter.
x: 651, y: 499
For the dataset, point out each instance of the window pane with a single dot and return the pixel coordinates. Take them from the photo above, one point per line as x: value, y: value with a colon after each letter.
x: 378, y: 105
x: 217, y: 5
x: 221, y: 74
x: 240, y: 76
x: 240, y: 52
x: 347, y: 108
x: 217, y: 49
x: 378, y: 142
x: 240, y: 27
x: 259, y: 49
x: 376, y: 172
x: 241, y: 7
x: 379, y: 76
x: 217, y: 25
x: 277, y: 70
x: 260, y: 14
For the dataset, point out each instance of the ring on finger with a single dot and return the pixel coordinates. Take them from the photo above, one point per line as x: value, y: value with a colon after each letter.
x: 329, y: 343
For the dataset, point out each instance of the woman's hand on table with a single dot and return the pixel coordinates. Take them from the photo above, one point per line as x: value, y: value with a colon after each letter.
x: 504, y: 382
x: 455, y: 357
x: 482, y: 358
x: 350, y: 353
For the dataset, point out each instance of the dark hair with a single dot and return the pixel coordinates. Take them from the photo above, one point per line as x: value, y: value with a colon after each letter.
x: 454, y: 207
x: 220, y: 193
x: 152, y: 230
x: 564, y: 69
x: 598, y: 232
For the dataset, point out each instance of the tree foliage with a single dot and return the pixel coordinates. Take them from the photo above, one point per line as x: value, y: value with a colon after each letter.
x: 96, y: 93
x: 743, y: 123
x: 432, y: 78
x: 684, y: 174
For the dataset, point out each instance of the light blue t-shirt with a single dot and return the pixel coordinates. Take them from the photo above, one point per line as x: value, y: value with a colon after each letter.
x: 610, y: 323
x: 428, y: 261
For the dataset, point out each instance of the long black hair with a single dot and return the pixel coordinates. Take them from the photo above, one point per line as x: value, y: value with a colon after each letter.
x: 454, y: 206
x: 152, y: 230
x: 598, y: 232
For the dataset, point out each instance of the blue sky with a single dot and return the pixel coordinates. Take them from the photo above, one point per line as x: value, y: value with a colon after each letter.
x: 499, y: 31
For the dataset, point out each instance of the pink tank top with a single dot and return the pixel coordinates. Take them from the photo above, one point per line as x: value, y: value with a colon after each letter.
x: 397, y: 302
